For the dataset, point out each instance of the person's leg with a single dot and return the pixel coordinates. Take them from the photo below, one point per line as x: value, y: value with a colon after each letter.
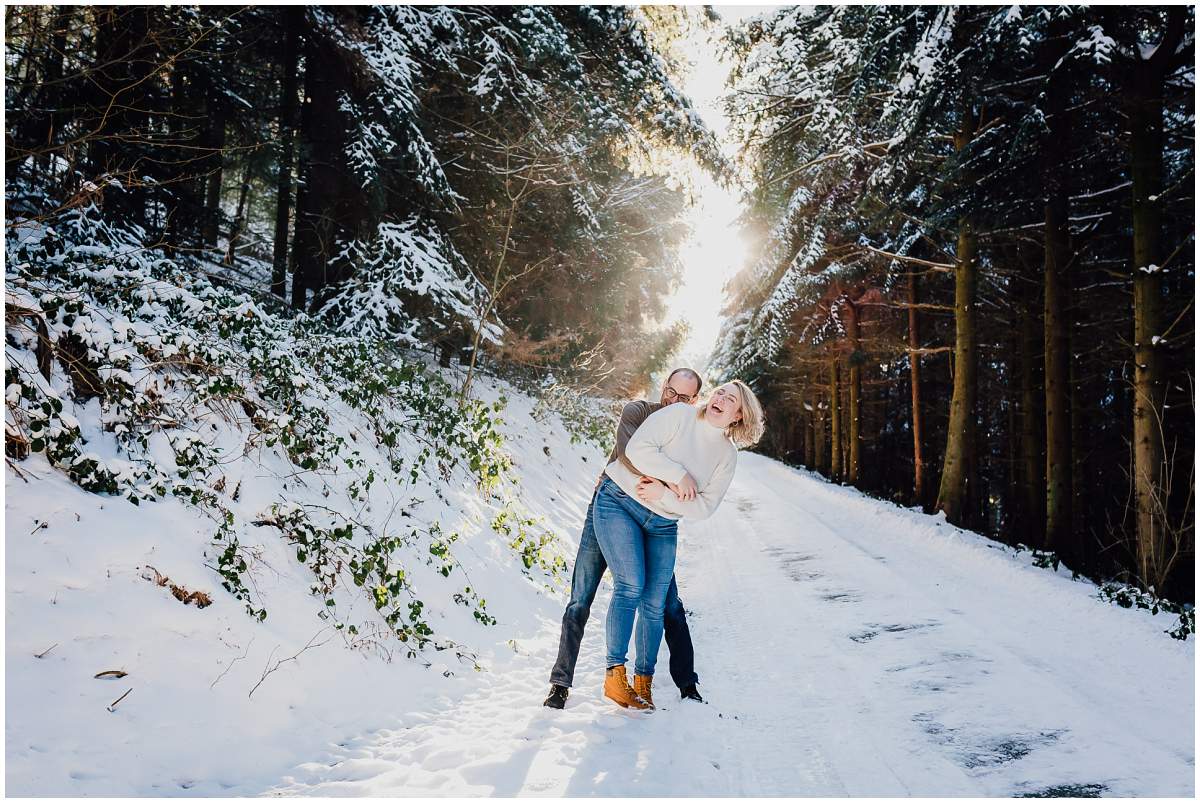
x: 679, y: 640
x: 620, y: 540
x: 659, y: 552
x: 585, y: 579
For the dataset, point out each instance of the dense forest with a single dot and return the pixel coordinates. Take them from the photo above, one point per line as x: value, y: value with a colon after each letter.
x: 974, y: 281
x: 454, y: 177
x: 973, y: 277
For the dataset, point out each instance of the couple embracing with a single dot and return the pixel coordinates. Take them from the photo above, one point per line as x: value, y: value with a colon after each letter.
x: 672, y: 460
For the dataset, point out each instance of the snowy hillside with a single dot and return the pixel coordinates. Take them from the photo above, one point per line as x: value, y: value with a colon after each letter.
x: 197, y: 720
x: 255, y: 526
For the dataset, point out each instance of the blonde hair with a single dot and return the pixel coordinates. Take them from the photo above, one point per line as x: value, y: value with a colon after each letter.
x: 749, y: 430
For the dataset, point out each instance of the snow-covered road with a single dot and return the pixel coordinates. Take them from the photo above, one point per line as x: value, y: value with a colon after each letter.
x: 846, y: 647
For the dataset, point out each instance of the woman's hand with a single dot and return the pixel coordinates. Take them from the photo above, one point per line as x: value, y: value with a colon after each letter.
x: 686, y: 488
x: 650, y: 489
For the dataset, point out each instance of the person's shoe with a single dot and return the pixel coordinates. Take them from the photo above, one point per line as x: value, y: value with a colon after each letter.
x: 690, y: 693
x: 558, y: 696
x: 641, y: 687
x: 617, y: 689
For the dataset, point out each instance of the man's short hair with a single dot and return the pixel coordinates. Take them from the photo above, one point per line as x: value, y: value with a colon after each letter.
x: 688, y: 372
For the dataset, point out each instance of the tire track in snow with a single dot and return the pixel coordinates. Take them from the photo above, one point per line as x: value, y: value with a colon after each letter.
x: 819, y: 713
x: 1013, y: 705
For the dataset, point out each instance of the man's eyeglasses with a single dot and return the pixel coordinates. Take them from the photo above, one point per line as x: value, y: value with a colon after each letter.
x: 672, y: 395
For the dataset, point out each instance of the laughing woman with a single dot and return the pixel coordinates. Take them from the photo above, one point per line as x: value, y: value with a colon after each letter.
x: 685, y: 459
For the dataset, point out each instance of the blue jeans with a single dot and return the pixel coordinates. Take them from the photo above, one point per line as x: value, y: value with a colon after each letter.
x: 639, y: 546
x: 585, y: 580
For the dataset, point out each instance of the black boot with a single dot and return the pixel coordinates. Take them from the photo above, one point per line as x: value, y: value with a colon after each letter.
x: 558, y: 696
x: 688, y: 693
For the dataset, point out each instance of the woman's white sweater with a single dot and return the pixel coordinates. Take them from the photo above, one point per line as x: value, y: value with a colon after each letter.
x: 669, y: 443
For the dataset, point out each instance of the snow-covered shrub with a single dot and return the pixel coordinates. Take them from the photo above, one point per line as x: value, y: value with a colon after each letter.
x: 586, y: 418
x: 158, y: 380
x: 1128, y: 596
x: 339, y: 560
x: 530, y: 540
x: 1046, y: 559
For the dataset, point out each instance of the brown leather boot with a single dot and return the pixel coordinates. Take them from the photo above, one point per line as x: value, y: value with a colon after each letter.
x: 641, y: 687
x: 617, y: 689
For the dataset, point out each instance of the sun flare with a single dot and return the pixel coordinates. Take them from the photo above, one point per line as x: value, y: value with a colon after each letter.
x: 715, y: 250
x: 712, y: 255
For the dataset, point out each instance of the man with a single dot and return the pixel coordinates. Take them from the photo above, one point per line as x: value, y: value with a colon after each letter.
x: 683, y: 387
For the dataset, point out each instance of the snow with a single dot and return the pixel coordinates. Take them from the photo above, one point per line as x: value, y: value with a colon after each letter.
x: 1122, y: 185
x: 846, y: 647
x: 1098, y: 44
x: 404, y: 258
x: 195, y: 723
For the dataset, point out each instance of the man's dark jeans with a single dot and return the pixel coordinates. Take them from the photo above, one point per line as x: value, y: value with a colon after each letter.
x: 585, y: 580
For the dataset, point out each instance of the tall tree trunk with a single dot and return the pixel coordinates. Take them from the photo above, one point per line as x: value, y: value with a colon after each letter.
x: 1146, y: 169
x: 332, y: 207
x: 810, y: 432
x: 1010, y: 514
x: 1057, y: 332
x: 302, y: 237
x: 185, y: 211
x: 1075, y: 552
x: 960, y: 436
x: 796, y: 430
x: 117, y: 112
x: 835, y: 419
x: 914, y: 365
x: 819, y: 435
x: 306, y: 241
x: 845, y: 423
x: 1032, y: 496
x: 216, y: 167
x: 292, y: 19
x: 239, y: 219
x: 855, y: 392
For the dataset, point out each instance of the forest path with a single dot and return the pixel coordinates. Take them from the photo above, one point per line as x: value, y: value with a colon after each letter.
x: 846, y: 647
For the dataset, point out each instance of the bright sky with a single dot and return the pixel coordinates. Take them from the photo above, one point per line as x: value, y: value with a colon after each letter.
x: 715, y: 251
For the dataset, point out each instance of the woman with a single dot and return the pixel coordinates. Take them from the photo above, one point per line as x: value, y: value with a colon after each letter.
x: 686, y: 459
